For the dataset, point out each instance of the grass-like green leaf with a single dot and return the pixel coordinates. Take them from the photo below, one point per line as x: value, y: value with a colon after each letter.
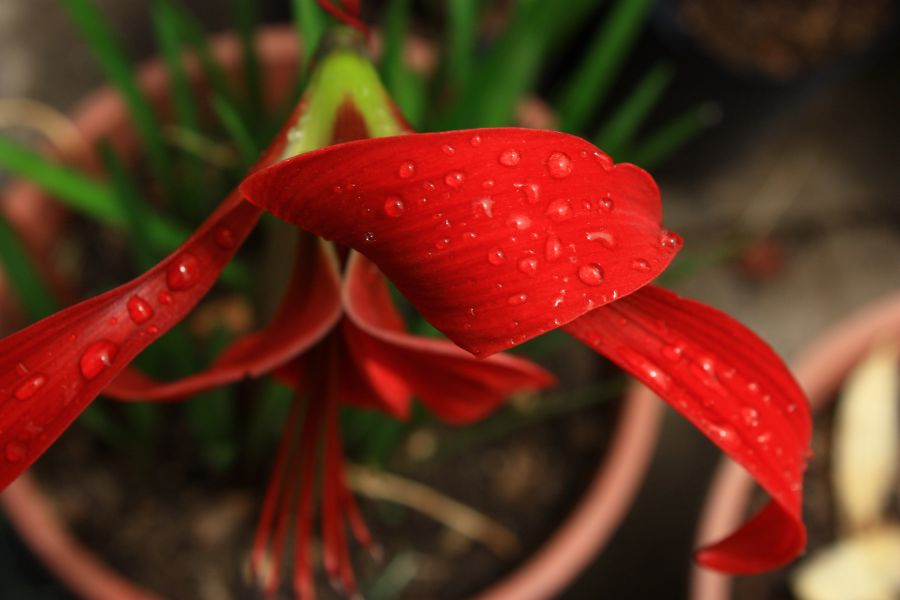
x: 592, y: 80
x: 670, y: 137
x: 24, y: 279
x: 245, y: 20
x: 310, y: 22
x: 237, y: 130
x: 120, y: 73
x: 462, y: 23
x: 619, y: 129
x: 408, y: 89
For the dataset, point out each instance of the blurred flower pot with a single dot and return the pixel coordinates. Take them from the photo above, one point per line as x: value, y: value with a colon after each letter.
x: 821, y: 370
x: 549, y: 569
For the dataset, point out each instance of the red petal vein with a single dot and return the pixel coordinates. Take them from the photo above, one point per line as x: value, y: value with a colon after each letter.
x: 735, y: 389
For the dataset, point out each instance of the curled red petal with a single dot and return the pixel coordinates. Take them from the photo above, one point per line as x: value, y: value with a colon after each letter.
x: 50, y: 371
x: 495, y: 235
x: 735, y: 389
x: 309, y: 310
x: 451, y: 383
x: 347, y: 12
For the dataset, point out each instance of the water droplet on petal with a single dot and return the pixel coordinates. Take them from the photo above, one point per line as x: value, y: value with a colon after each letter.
x: 483, y: 206
x: 559, y: 210
x: 519, y: 222
x: 553, y: 248
x: 606, y: 239
x: 393, y: 206
x: 406, y: 170
x: 21, y: 369
x: 369, y: 237
x: 496, y: 256
x: 224, y: 238
x: 672, y: 352
x: 750, y: 416
x: 164, y: 297
x: 668, y: 241
x: 29, y: 387
x: 448, y: 149
x: 531, y: 191
x: 559, y: 165
x: 725, y: 436
x: 517, y: 299
x: 183, y: 273
x: 475, y: 140
x: 639, y: 264
x: 97, y: 358
x: 442, y: 243
x: 604, y: 160
x: 591, y: 274
x: 528, y: 265
x: 139, y: 310
x: 607, y: 204
x: 510, y: 157
x: 455, y: 179
x: 16, y: 452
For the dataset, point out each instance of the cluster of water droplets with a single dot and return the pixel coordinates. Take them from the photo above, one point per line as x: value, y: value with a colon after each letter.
x: 182, y: 274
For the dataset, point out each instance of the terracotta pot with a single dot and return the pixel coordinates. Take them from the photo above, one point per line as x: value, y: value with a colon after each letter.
x: 821, y: 370
x: 549, y: 570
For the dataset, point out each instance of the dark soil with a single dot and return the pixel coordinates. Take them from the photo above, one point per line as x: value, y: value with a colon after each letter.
x: 185, y: 533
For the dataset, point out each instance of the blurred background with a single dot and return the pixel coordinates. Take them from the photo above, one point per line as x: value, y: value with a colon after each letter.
x: 775, y: 143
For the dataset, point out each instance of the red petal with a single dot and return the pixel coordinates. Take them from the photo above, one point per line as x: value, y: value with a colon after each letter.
x: 50, y: 371
x: 735, y: 389
x: 495, y: 235
x: 310, y: 309
x: 453, y: 384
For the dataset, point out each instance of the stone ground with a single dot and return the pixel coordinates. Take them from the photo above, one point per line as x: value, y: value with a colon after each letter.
x: 812, y: 166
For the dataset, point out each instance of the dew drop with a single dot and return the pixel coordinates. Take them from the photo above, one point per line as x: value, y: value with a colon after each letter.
x: 591, y: 274
x: 517, y: 299
x: 393, y: 206
x: 183, y: 273
x: 531, y: 191
x: 641, y: 265
x: 15, y: 452
x: 496, y: 256
x: 29, y: 387
x: 153, y: 330
x: 519, y: 222
x: 442, y: 243
x: 528, y: 265
x: 164, y: 297
x: 406, y: 170
x: 21, y: 369
x: 672, y: 352
x: 448, y: 149
x: 607, y: 204
x: 559, y: 210
x: 224, y: 238
x: 559, y: 165
x: 455, y: 179
x: 510, y: 157
x: 97, y: 357
x: 475, y: 140
x: 604, y: 160
x: 605, y: 238
x: 725, y: 436
x: 668, y: 241
x: 488, y: 184
x: 750, y: 416
x: 139, y: 310
x: 483, y: 206
x: 369, y: 237
x: 553, y: 248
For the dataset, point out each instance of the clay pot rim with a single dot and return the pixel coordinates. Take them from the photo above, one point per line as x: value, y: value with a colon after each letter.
x: 820, y: 369
x: 548, y: 570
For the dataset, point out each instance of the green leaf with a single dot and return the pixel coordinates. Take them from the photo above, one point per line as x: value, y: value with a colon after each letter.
x: 107, y: 51
x: 26, y: 282
x: 237, y: 130
x: 462, y: 22
x: 670, y: 137
x: 408, y: 89
x: 245, y: 19
x: 590, y: 83
x: 619, y: 129
x: 310, y: 22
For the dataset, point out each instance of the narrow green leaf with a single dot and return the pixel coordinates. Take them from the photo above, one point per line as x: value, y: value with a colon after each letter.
x: 590, y: 83
x: 212, y: 417
x: 24, y: 279
x: 408, y: 89
x: 128, y: 197
x: 167, y: 27
x: 670, y: 137
x: 113, y: 61
x: 310, y: 22
x: 237, y: 130
x: 619, y: 129
x: 245, y: 19
x: 462, y: 22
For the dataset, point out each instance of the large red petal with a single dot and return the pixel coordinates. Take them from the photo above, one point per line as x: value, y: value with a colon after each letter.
x: 50, y: 371
x: 495, y: 235
x: 735, y: 389
x: 310, y: 309
x: 455, y: 386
